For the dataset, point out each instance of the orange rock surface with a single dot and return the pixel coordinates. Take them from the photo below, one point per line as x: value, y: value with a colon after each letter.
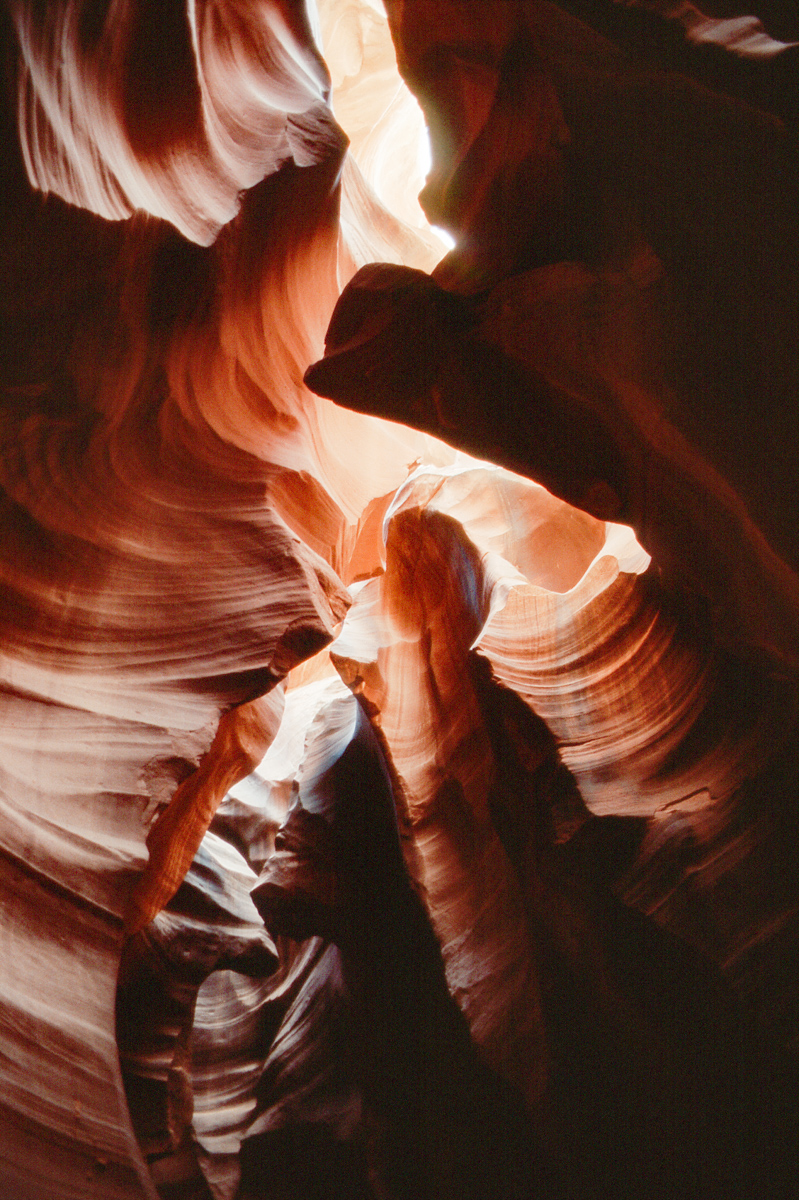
x: 399, y: 619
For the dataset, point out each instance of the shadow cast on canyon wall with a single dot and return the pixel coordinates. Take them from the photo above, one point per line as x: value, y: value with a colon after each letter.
x: 398, y: 789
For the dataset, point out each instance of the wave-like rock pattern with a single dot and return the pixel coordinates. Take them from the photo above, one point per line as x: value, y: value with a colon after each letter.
x: 510, y: 884
x: 513, y: 860
x: 152, y: 407
x: 482, y: 795
x: 594, y: 313
x: 373, y: 1053
x: 172, y: 110
x: 646, y: 713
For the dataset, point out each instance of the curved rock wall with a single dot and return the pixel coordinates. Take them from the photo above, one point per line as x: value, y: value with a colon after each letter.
x: 518, y: 916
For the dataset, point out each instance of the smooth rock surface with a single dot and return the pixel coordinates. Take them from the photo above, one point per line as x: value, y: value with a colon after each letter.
x: 508, y: 907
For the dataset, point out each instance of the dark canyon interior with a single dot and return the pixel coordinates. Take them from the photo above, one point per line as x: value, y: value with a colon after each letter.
x: 400, y: 599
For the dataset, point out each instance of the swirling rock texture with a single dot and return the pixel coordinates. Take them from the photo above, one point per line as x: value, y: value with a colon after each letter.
x: 375, y: 820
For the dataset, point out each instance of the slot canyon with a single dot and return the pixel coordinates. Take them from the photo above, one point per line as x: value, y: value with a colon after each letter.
x: 399, y: 793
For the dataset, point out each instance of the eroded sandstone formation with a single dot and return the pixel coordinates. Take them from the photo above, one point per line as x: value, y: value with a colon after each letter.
x: 399, y: 648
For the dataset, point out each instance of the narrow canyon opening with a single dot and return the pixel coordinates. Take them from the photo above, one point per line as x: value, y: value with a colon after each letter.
x: 398, y: 788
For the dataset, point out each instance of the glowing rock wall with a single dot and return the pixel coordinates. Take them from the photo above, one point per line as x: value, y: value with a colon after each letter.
x: 507, y: 906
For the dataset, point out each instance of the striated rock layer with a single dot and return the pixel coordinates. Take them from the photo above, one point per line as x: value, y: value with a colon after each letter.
x: 376, y: 821
x: 156, y: 438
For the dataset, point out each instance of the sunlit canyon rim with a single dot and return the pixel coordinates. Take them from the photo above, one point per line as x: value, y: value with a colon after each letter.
x: 398, y: 787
